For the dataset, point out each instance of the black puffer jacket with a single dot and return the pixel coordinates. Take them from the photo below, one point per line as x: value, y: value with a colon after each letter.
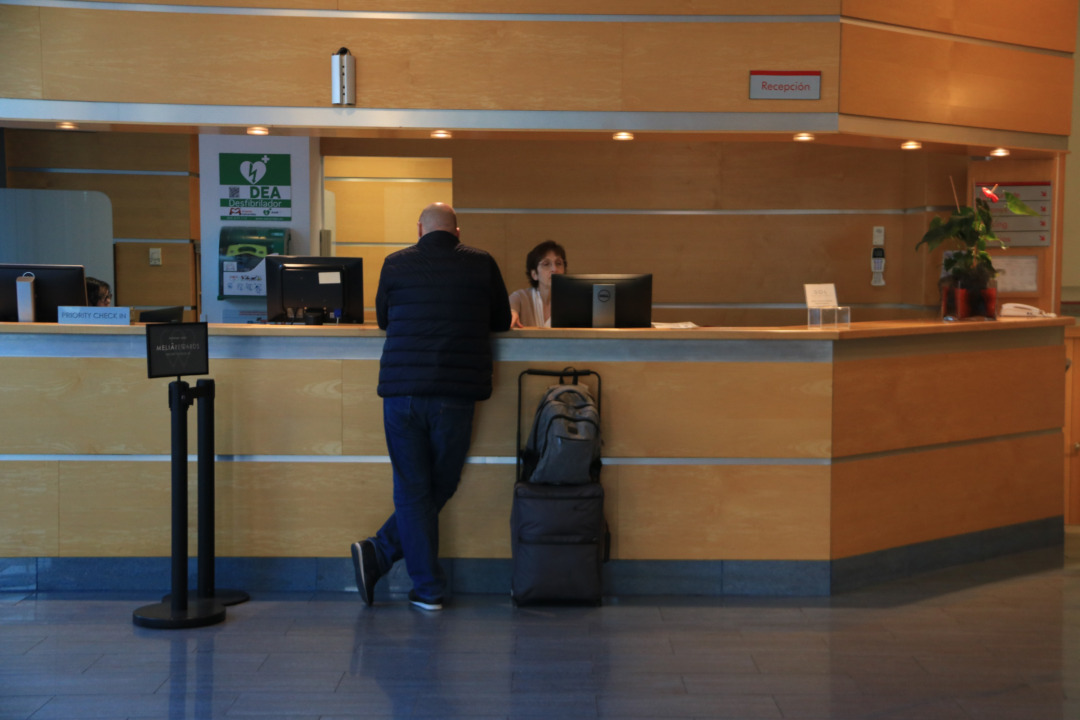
x: 438, y: 301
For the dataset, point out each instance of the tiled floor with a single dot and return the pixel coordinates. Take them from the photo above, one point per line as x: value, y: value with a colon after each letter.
x: 989, y: 641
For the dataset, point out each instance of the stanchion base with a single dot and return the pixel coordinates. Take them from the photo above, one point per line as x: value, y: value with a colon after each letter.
x: 161, y: 616
x: 222, y: 597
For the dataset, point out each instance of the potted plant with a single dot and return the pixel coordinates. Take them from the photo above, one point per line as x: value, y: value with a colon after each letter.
x: 967, y: 286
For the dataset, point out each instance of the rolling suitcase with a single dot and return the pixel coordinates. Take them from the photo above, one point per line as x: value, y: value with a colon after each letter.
x: 559, y: 537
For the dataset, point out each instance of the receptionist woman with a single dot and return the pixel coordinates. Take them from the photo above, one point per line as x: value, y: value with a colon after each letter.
x: 531, y: 306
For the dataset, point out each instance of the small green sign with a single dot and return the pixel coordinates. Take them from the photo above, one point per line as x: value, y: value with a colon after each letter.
x: 255, y: 186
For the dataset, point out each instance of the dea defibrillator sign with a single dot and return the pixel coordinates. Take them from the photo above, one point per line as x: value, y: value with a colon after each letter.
x: 255, y: 186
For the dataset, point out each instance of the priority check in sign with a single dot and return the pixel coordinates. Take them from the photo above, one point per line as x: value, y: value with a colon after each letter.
x: 785, y: 84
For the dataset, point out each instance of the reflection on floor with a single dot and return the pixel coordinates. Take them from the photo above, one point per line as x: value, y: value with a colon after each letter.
x: 990, y: 641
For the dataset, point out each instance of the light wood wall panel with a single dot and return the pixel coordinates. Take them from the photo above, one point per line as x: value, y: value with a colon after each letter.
x: 373, y: 257
x: 907, y: 76
x: 562, y: 7
x: 705, y: 67
x: 727, y: 253
x: 383, y: 212
x: 20, y: 52
x: 897, y: 500
x: 1049, y: 24
x: 536, y: 65
x: 144, y: 206
x: 29, y: 509
x: 749, y: 512
x: 140, y: 283
x: 921, y: 398
x: 157, y: 152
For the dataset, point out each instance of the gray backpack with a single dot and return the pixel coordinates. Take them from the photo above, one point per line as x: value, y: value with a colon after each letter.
x: 564, y: 444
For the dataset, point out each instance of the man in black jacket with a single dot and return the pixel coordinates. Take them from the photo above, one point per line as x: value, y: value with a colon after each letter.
x: 438, y: 301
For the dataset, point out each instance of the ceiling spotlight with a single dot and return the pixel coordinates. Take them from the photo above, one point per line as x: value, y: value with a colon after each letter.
x: 803, y: 137
x: 623, y: 136
x: 911, y: 145
x: 442, y: 134
x: 258, y: 130
x: 1000, y: 152
x: 66, y: 125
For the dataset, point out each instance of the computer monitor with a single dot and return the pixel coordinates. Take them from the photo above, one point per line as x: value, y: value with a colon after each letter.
x: 54, y: 286
x: 315, y: 289
x: 621, y: 301
x: 172, y: 314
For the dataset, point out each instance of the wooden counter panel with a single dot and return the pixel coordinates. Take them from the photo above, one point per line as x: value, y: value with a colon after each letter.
x: 262, y: 407
x: 921, y: 398
x: 726, y: 410
x: 83, y: 405
x: 112, y: 509
x: 29, y: 509
x: 1053, y: 26
x: 896, y: 500
x: 735, y: 512
x: 300, y: 509
x: 909, y: 76
x: 278, y: 407
x: 20, y: 54
x: 144, y: 206
x: 361, y: 408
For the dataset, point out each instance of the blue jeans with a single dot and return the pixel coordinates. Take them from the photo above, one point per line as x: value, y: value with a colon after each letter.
x: 428, y: 438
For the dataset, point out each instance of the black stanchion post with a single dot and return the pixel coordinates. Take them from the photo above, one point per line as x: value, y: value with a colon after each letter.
x: 178, y: 405
x: 205, y: 391
x: 178, y: 611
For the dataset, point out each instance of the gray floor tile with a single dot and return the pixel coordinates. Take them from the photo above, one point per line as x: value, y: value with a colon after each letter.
x: 991, y: 641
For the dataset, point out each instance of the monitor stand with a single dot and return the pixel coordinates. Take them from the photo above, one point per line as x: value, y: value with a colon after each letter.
x: 603, y: 305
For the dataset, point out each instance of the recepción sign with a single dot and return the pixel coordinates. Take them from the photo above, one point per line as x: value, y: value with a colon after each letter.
x: 785, y: 84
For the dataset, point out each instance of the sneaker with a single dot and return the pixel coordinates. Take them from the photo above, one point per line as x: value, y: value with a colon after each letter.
x: 419, y: 602
x: 366, y: 567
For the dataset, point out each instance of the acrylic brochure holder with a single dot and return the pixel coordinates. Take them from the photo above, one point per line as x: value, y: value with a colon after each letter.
x: 822, y: 310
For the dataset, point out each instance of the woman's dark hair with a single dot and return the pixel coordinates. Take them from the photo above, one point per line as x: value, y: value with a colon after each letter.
x: 532, y: 260
x: 96, y: 291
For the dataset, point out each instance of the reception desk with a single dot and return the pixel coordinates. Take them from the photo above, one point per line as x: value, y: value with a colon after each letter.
x: 736, y: 460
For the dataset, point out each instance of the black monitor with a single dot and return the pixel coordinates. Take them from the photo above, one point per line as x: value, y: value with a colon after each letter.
x: 172, y: 314
x: 314, y: 290
x: 54, y: 286
x: 582, y: 301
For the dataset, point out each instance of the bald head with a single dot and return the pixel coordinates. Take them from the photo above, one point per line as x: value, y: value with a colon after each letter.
x: 437, y: 216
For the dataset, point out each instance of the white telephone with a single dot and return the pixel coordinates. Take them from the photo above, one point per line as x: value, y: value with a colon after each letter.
x: 1021, y: 310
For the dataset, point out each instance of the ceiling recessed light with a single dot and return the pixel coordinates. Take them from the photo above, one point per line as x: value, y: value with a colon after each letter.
x: 803, y: 137
x: 911, y: 145
x: 66, y: 125
x: 442, y: 134
x: 1000, y: 152
x: 623, y: 136
x: 258, y: 130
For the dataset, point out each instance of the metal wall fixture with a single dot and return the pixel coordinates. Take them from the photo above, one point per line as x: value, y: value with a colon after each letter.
x: 343, y: 78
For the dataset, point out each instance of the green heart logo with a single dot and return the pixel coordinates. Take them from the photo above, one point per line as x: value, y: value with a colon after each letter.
x: 253, y: 171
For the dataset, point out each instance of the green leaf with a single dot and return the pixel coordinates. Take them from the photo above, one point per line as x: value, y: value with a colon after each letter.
x: 1017, y: 206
